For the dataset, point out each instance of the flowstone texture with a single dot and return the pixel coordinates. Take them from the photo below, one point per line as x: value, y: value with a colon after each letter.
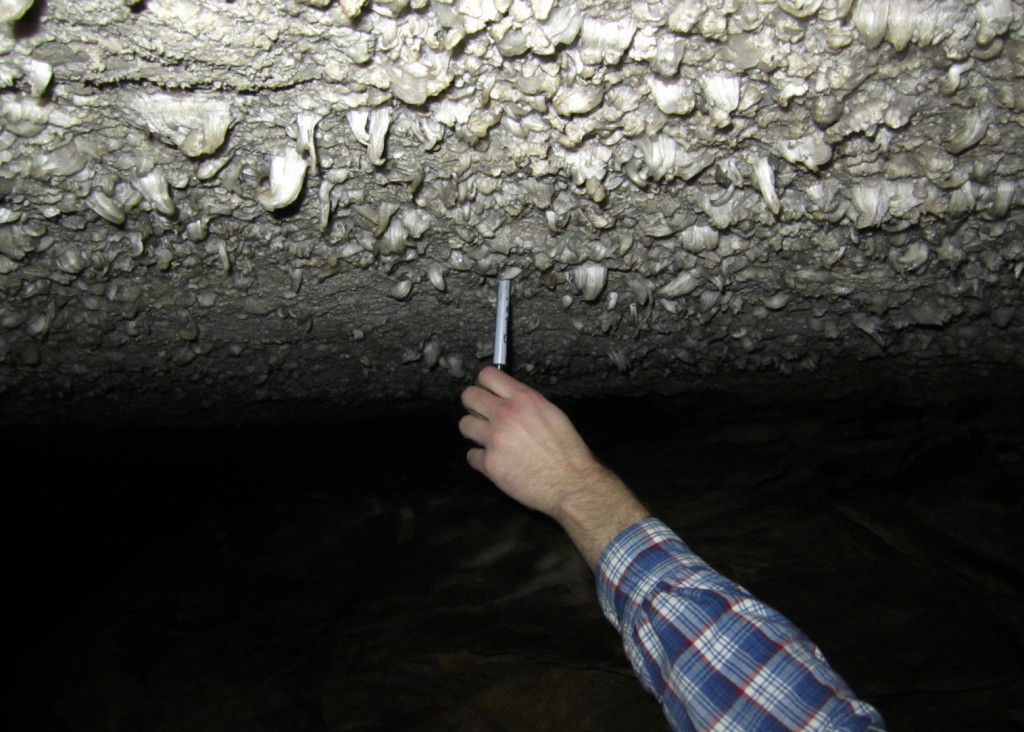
x: 270, y: 201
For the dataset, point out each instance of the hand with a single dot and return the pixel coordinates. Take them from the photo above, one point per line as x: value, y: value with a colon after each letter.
x: 532, y: 452
x: 528, y: 447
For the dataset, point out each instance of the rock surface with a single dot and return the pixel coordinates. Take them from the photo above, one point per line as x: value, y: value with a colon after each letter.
x: 205, y: 205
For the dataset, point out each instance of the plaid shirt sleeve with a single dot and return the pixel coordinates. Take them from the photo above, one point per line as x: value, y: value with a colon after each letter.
x: 715, y: 656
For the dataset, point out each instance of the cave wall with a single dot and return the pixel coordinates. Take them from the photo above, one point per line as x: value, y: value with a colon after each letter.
x: 283, y: 201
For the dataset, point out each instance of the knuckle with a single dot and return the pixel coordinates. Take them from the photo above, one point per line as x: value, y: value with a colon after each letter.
x: 532, y: 398
x: 507, y: 412
x: 490, y: 463
x: 498, y: 443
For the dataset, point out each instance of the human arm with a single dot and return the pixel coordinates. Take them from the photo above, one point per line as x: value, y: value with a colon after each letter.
x: 714, y: 655
x: 531, y: 451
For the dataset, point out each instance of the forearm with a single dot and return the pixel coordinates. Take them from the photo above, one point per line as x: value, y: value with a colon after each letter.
x: 597, y: 512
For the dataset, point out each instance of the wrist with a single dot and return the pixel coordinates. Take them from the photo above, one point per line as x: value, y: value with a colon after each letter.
x: 597, y: 511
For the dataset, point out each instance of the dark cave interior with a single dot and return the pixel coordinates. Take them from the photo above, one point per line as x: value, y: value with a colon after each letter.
x: 355, y: 574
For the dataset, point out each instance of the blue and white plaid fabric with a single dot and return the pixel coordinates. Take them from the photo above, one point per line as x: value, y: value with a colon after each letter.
x: 715, y: 656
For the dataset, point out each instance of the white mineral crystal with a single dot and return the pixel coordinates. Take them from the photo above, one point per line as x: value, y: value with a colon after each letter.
x: 13, y: 9
x: 287, y: 173
x: 682, y: 284
x: 197, y: 125
x: 39, y: 76
x: 577, y: 100
x: 154, y: 187
x: 672, y: 97
x: 421, y: 79
x: 604, y: 41
x: 306, y: 142
x: 106, y: 207
x: 590, y: 279
x: 722, y: 92
x: 764, y: 180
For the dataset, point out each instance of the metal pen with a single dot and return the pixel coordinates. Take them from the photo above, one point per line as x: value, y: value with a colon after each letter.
x: 500, y: 359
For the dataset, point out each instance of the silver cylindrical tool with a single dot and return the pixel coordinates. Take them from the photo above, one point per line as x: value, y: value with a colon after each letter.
x: 501, y: 325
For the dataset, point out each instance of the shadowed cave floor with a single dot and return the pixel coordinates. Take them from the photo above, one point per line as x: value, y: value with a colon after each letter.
x: 361, y: 577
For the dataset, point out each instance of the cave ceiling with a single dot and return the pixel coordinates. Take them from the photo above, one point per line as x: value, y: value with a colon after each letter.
x: 274, y: 201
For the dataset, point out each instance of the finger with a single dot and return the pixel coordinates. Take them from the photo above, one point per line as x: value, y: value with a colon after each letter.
x: 469, y: 408
x: 497, y: 381
x: 475, y: 458
x: 475, y: 429
x: 478, y: 401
